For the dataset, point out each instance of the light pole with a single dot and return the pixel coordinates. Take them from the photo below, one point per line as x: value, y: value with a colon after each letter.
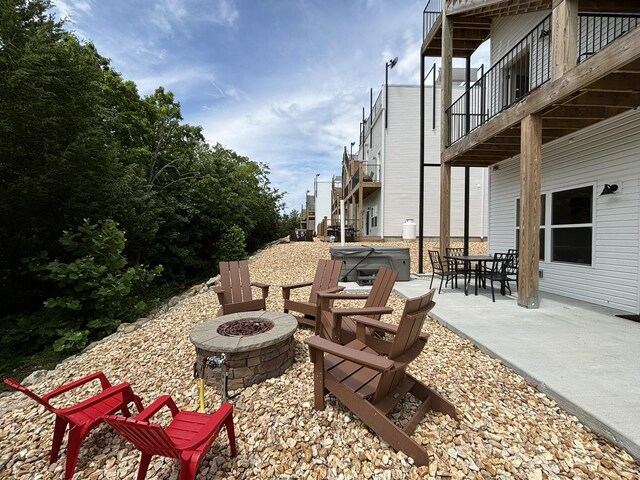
x: 388, y: 65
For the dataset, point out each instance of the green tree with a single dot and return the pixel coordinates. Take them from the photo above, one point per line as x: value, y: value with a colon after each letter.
x: 95, y: 289
x: 56, y: 163
x: 232, y: 245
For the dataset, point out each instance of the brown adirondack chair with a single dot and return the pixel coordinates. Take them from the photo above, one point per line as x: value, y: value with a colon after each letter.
x: 326, y: 279
x: 371, y: 385
x: 338, y: 325
x: 234, y: 292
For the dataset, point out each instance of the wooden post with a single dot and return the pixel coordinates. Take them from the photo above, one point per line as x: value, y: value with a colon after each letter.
x: 564, y: 37
x: 530, y: 164
x: 360, y: 201
x: 445, y: 102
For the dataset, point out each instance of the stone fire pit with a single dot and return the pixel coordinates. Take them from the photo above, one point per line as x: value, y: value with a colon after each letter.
x: 251, y: 357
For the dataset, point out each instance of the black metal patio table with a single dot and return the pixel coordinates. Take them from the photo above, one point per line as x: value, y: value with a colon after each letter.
x: 480, y: 260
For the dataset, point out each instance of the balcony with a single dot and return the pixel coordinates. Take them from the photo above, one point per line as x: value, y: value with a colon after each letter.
x: 365, y: 176
x: 599, y: 87
x: 526, y: 67
x: 468, y: 32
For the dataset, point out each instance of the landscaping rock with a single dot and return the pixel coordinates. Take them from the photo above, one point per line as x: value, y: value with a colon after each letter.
x: 507, y: 429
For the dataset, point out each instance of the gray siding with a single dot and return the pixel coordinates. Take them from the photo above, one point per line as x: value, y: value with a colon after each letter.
x: 507, y: 31
x: 605, y: 153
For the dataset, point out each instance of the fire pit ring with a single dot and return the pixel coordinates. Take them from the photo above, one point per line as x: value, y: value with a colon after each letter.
x: 245, y: 327
x: 250, y: 358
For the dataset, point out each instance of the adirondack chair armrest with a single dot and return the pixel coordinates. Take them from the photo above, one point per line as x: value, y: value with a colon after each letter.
x: 263, y: 286
x: 334, y: 289
x: 366, y: 359
x: 293, y: 286
x: 378, y: 325
x: 77, y: 383
x: 342, y: 312
x: 151, y: 410
x: 220, y: 292
x: 286, y: 289
x: 342, y: 296
x: 122, y: 388
x: 362, y: 322
x: 208, y: 429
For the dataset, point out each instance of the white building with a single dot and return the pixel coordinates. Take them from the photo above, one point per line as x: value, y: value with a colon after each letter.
x: 322, y: 201
x: 381, y: 186
x: 560, y: 132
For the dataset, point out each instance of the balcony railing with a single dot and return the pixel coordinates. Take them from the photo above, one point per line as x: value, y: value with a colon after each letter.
x: 526, y: 67
x: 431, y: 12
x: 375, y: 109
x: 596, y: 31
x: 363, y: 172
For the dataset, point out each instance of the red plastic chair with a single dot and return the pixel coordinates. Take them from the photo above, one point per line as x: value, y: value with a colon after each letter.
x: 83, y: 416
x: 188, y: 436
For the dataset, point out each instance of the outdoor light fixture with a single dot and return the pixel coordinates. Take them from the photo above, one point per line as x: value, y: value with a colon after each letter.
x: 390, y: 64
x: 609, y: 189
x: 544, y: 33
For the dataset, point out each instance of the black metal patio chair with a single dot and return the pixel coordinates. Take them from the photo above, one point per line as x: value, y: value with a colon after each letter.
x: 437, y: 268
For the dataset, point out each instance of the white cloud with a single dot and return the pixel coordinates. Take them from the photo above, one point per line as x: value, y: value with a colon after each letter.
x: 171, y: 16
x: 70, y: 9
x: 223, y: 12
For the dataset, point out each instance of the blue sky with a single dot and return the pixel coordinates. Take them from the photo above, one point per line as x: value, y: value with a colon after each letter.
x: 282, y: 82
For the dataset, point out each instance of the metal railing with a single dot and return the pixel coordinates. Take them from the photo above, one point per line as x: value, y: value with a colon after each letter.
x: 370, y: 172
x: 526, y: 67
x: 430, y: 15
x: 596, y: 31
x: 521, y: 70
x: 375, y: 110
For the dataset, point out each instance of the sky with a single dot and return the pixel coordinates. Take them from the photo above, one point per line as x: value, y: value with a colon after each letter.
x: 282, y: 82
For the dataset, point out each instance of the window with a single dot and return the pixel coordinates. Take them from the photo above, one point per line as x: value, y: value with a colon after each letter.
x: 515, y: 79
x: 572, y: 225
x: 567, y: 235
x: 374, y: 217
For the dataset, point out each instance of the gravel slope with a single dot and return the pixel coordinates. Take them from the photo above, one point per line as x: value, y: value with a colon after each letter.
x: 507, y: 429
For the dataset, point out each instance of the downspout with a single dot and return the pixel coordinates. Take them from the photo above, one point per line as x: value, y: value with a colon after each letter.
x: 482, y: 193
x: 383, y: 162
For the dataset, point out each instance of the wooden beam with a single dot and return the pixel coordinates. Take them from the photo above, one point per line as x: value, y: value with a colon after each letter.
x: 616, y: 82
x: 530, y: 166
x: 564, y: 41
x: 498, y: 7
x: 598, y: 68
x: 588, y: 98
x: 445, y: 101
x: 610, y: 6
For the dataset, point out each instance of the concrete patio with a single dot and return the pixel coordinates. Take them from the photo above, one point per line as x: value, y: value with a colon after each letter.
x: 579, y: 354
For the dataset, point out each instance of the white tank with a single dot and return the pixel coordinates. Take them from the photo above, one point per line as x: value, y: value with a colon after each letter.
x: 409, y: 229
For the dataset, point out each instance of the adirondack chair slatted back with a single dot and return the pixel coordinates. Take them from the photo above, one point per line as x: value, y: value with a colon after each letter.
x: 327, y: 275
x: 234, y: 278
x: 406, y: 339
x: 381, y: 289
x: 149, y: 438
x: 412, y: 320
x: 16, y: 386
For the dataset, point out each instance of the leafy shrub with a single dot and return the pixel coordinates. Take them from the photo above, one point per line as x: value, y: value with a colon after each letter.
x: 232, y: 245
x: 96, y: 290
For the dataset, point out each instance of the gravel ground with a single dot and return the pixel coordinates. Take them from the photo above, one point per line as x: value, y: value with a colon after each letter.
x: 506, y: 429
